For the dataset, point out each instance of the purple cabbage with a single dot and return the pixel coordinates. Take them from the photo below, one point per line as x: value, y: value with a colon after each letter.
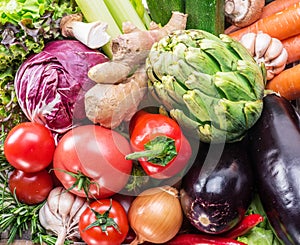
x: 50, y: 85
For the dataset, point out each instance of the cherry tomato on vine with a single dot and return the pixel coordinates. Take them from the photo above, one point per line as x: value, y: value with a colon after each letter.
x: 104, y: 222
x: 30, y: 188
x: 29, y: 147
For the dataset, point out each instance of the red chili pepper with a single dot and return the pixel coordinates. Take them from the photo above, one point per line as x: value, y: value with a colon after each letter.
x: 247, y: 223
x: 199, y: 239
x: 159, y: 144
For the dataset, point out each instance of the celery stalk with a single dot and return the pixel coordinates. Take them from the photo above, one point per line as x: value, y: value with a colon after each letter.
x: 96, y: 10
x: 122, y: 11
x: 142, y: 12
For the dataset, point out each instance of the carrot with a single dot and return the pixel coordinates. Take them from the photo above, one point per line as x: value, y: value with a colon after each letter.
x: 277, y: 6
x: 287, y: 83
x: 292, y: 46
x: 269, y: 9
x: 281, y: 25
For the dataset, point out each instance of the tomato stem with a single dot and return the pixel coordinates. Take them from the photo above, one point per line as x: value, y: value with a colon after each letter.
x: 161, y: 150
x: 103, y: 220
x: 81, y: 181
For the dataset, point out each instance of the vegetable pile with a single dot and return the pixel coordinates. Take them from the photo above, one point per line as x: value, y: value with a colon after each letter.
x: 132, y: 122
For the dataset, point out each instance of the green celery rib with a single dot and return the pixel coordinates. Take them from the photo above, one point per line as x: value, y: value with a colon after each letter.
x: 141, y: 11
x: 122, y: 11
x: 96, y: 10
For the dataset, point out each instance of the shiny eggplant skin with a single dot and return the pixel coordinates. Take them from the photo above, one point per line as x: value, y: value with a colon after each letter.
x: 274, y: 144
x: 217, y: 189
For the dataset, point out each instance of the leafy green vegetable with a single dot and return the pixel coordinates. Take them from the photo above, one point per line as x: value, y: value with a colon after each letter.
x: 25, y: 27
x: 262, y: 234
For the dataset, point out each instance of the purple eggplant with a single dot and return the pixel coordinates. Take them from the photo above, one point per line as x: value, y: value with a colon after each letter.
x: 274, y: 145
x: 218, y: 188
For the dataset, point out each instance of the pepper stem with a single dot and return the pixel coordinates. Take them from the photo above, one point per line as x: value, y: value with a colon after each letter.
x: 160, y: 150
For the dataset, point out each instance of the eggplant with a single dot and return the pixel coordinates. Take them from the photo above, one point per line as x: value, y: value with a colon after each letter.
x: 274, y: 147
x: 218, y: 188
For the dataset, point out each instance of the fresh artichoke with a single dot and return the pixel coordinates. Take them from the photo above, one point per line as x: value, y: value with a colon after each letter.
x: 211, y: 85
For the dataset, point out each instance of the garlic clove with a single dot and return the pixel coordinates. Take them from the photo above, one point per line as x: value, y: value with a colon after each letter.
x: 53, y: 200
x: 262, y: 43
x: 66, y: 200
x: 274, y: 49
x: 248, y: 41
x: 279, y: 60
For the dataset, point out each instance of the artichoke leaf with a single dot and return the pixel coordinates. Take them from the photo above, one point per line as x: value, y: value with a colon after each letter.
x: 200, y: 61
x: 180, y: 70
x: 217, y: 135
x: 173, y: 88
x: 237, y: 47
x: 160, y: 62
x: 200, y: 105
x: 192, y: 127
x: 254, y: 75
x: 233, y: 112
x: 234, y: 86
x: 252, y: 112
x: 202, y: 82
x: 206, y: 132
x: 226, y: 59
x: 159, y: 91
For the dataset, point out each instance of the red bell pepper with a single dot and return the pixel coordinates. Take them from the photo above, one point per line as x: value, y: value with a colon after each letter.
x: 158, y: 144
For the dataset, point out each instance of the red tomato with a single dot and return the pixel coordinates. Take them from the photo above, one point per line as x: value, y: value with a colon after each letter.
x: 93, y: 159
x: 30, y: 188
x: 29, y: 147
x: 111, y: 211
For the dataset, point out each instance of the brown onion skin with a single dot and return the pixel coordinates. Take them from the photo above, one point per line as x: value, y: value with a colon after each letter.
x: 156, y: 215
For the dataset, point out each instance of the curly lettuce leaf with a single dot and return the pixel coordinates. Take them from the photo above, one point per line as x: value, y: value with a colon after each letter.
x: 25, y: 27
x: 262, y: 234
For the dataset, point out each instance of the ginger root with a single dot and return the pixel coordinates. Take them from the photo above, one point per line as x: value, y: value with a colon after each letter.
x: 110, y: 104
x: 131, y: 49
x: 122, y: 82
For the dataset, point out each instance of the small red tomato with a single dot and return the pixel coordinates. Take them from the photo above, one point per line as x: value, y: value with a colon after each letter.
x: 104, y: 222
x: 30, y: 188
x: 29, y: 147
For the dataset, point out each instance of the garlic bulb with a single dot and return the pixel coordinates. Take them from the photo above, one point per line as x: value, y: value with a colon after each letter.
x: 266, y: 49
x: 60, y: 214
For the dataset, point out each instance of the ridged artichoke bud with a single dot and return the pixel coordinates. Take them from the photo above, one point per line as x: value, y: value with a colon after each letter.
x: 211, y: 85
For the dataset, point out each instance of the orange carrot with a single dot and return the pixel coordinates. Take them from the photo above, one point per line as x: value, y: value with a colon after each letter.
x: 276, y: 6
x: 269, y: 9
x: 281, y: 25
x: 287, y: 83
x: 292, y: 46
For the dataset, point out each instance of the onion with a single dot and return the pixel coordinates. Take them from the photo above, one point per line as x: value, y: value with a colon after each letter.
x: 155, y: 215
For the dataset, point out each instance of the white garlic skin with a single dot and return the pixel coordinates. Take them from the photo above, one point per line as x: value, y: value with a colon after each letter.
x: 266, y: 49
